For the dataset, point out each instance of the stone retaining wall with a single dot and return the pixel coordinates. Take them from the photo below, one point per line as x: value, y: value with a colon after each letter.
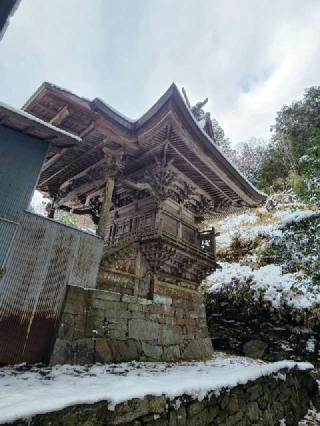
x: 263, y: 402
x: 170, y: 327
x: 244, y: 330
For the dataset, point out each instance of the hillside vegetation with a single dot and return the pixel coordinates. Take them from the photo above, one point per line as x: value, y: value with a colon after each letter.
x: 269, y: 257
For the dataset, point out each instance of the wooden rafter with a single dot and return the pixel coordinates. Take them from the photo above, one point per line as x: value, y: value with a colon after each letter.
x: 60, y: 116
x: 76, y: 160
x: 192, y: 167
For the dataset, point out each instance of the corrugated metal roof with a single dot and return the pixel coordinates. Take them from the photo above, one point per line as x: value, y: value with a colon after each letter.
x: 33, y: 126
x: 7, y: 9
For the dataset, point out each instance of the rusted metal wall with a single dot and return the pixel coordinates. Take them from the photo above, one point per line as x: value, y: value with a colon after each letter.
x: 7, y: 232
x: 44, y: 257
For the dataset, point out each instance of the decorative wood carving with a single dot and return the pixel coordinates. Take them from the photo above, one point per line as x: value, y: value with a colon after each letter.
x: 161, y: 179
x: 158, y: 180
x: 113, y: 162
x: 157, y: 254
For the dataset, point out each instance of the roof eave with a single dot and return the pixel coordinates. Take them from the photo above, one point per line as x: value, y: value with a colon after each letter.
x: 28, y: 124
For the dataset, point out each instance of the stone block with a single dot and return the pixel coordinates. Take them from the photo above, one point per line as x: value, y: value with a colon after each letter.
x: 128, y: 411
x: 169, y: 320
x: 177, y: 292
x: 62, y: 353
x: 144, y: 330
x: 254, y: 348
x: 66, y: 328
x: 76, y: 300
x: 137, y: 315
x: 160, y: 318
x: 198, y: 349
x: 183, y: 304
x: 179, y: 313
x: 125, y: 350
x: 111, y: 307
x: 83, y: 351
x: 94, y: 321
x: 224, y: 401
x: 213, y: 410
x: 129, y: 299
x: 255, y: 391
x: 162, y: 300
x: 194, y: 408
x: 177, y: 417
x: 171, y: 353
x: 152, y: 351
x: 106, y: 295
x: 170, y: 335
x: 234, y: 419
x: 117, y: 330
x: 199, y: 419
x: 134, y: 307
x: 79, y: 327
x: 167, y: 310
x: 253, y: 411
x: 186, y: 321
x: 103, y: 351
x: 233, y: 405
x: 143, y: 301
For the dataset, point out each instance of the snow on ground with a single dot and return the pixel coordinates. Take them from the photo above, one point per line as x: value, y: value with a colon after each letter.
x: 25, y: 392
x: 291, y: 289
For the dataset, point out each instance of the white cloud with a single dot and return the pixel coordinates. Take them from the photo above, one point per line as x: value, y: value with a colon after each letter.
x: 249, y: 57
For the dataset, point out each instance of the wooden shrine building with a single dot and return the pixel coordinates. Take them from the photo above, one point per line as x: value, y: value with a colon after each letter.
x: 148, y: 185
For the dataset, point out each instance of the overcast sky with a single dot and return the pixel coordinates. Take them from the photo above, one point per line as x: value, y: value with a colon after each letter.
x: 248, y: 56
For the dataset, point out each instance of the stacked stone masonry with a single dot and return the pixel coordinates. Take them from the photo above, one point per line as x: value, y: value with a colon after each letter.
x: 104, y: 326
x: 264, y: 402
x: 259, y: 333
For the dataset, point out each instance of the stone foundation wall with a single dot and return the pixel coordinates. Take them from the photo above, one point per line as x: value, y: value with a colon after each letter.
x: 243, y: 330
x: 263, y: 402
x: 170, y: 327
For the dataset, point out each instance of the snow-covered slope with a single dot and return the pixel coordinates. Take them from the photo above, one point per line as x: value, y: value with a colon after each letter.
x: 270, y: 256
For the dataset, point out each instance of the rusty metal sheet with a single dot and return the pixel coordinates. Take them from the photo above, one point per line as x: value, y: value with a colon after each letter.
x: 44, y: 257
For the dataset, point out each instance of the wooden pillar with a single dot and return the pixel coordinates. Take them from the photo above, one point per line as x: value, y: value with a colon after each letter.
x: 213, y: 242
x: 106, y: 205
x: 51, y: 208
x: 51, y: 213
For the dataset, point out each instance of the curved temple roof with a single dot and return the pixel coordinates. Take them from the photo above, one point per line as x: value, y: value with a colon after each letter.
x: 89, y: 119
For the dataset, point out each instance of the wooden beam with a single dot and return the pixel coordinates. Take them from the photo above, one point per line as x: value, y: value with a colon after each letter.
x: 60, y: 116
x: 193, y: 167
x: 76, y: 160
x: 61, y: 153
x: 83, y: 173
x: 212, y: 164
x: 53, y: 159
x: 145, y: 156
x: 81, y: 190
x: 87, y: 130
